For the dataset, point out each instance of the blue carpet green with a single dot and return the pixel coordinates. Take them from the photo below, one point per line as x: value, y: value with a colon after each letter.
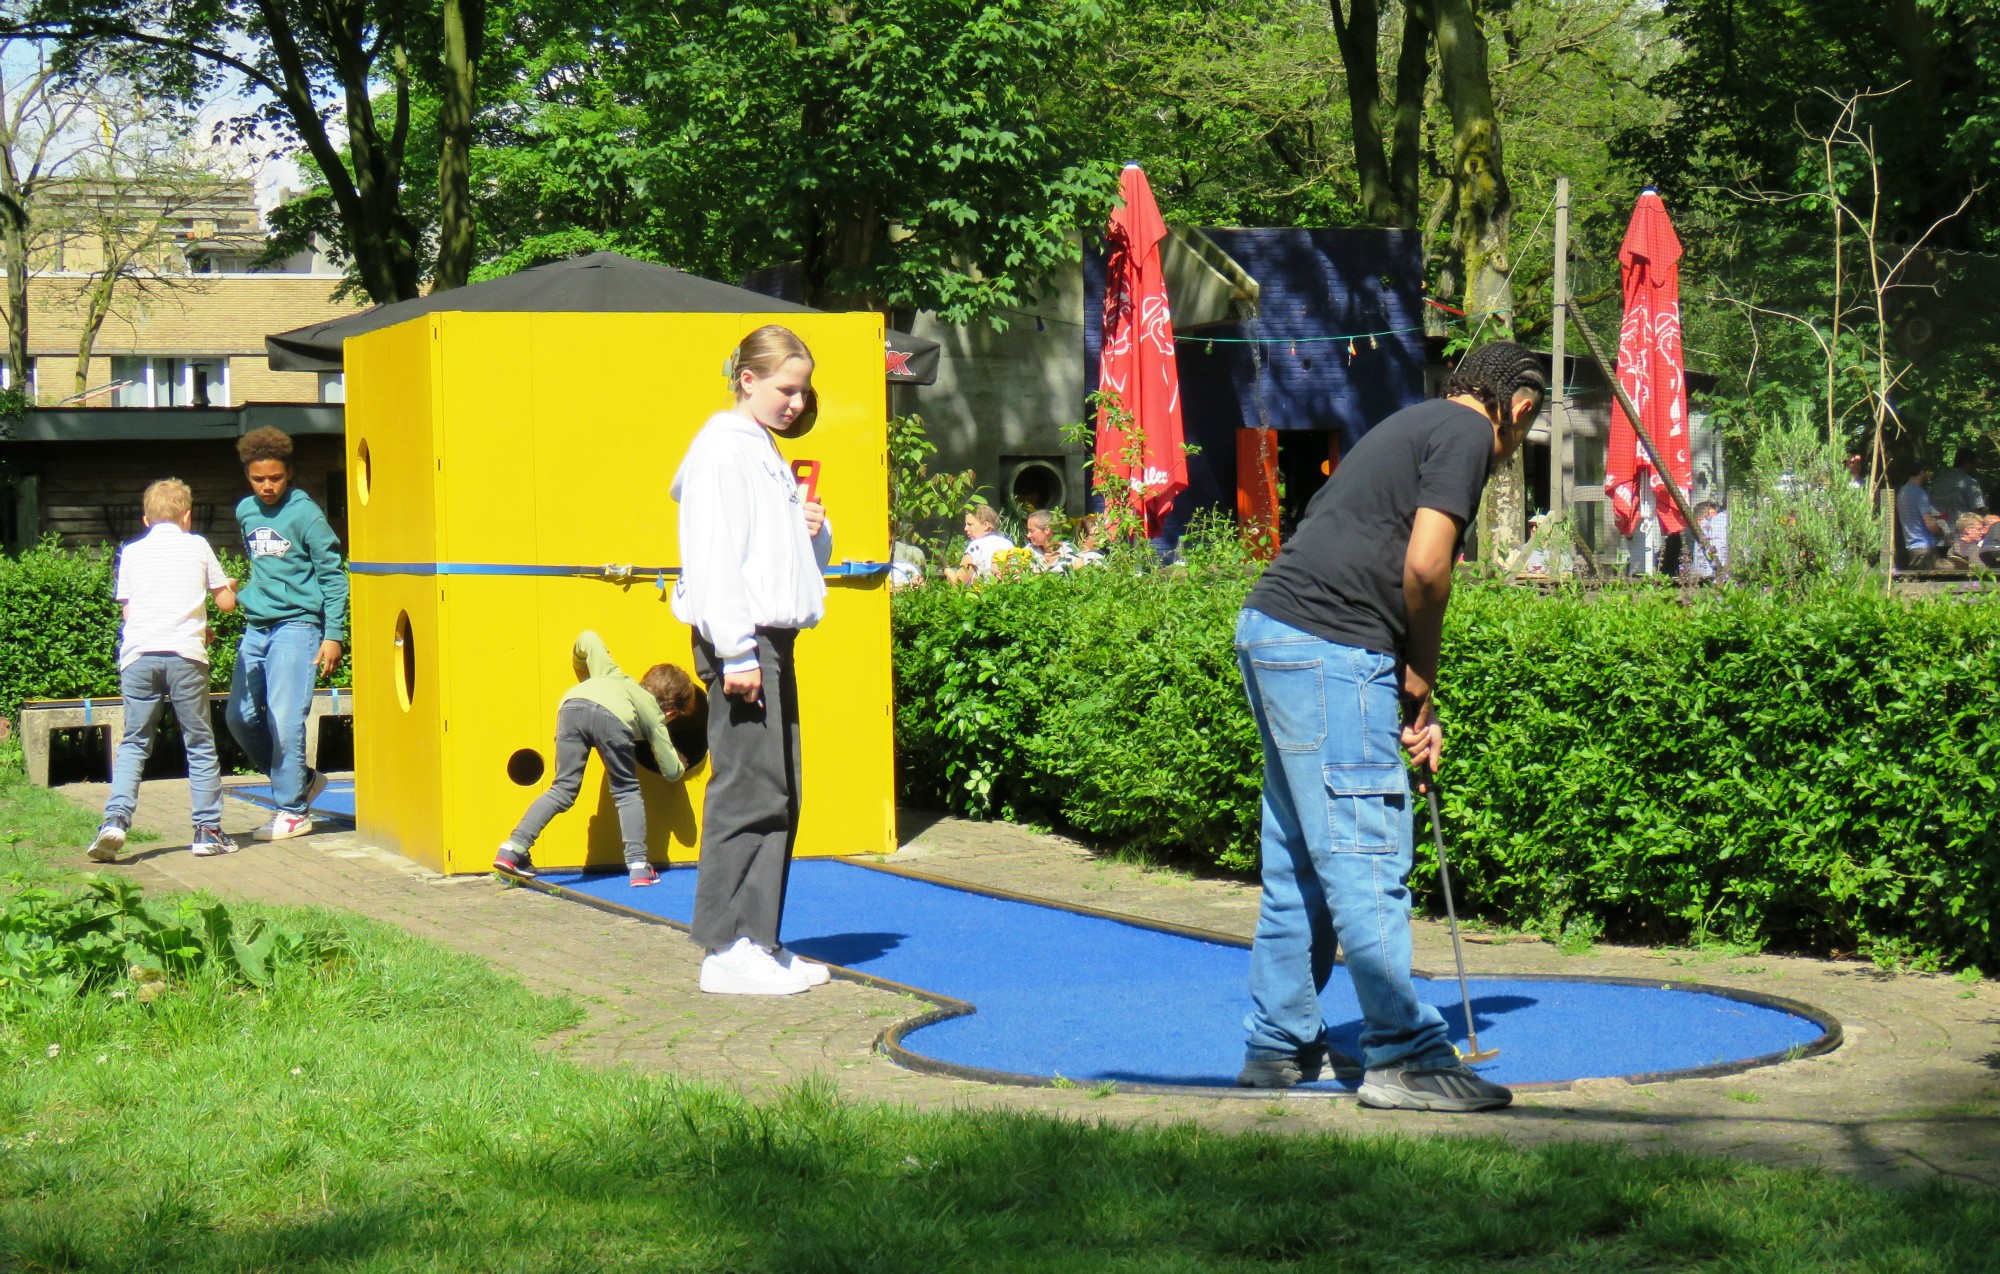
x: 1095, y: 998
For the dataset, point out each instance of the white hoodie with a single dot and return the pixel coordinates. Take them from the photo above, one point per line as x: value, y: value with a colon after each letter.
x: 746, y: 560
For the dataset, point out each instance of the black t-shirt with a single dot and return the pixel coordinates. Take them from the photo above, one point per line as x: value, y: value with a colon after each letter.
x: 1340, y: 575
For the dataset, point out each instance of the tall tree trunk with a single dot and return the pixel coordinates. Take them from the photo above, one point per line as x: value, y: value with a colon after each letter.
x: 1406, y: 147
x: 464, y: 35
x: 1357, y: 27
x: 14, y: 258
x: 366, y: 186
x: 97, y: 297
x: 1483, y: 215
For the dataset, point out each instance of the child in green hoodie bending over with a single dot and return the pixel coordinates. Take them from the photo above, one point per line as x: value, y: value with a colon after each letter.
x: 295, y: 619
x: 609, y: 713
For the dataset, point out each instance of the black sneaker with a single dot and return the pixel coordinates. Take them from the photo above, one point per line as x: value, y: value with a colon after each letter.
x: 315, y: 784
x: 1302, y: 1068
x: 1447, y: 1086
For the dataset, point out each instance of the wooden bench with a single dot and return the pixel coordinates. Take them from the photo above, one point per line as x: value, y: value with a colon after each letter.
x: 41, y: 718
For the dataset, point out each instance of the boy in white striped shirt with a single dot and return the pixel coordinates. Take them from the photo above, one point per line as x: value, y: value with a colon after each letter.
x: 165, y: 579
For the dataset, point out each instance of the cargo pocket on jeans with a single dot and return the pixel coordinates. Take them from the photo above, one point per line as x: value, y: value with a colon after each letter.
x: 1294, y: 702
x: 1365, y: 805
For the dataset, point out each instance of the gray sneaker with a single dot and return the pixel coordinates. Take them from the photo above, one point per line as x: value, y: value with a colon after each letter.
x: 1447, y: 1086
x: 209, y: 842
x: 315, y: 784
x: 110, y: 839
x: 1302, y: 1068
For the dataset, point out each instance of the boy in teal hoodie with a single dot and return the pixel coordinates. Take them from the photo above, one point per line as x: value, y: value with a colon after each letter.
x: 295, y: 621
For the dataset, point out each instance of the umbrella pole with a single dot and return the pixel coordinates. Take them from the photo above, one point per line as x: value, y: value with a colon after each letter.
x: 1645, y: 439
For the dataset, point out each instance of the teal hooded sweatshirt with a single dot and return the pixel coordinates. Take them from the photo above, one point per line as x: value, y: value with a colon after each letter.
x: 295, y: 566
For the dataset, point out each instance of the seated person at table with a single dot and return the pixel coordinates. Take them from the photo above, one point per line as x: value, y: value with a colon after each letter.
x: 982, y: 531
x: 1051, y: 553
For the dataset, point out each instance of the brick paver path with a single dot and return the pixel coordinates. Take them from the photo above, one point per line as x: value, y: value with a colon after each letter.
x: 1914, y: 1092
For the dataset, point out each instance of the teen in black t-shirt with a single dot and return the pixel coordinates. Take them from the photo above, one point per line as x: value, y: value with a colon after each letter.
x: 1338, y: 646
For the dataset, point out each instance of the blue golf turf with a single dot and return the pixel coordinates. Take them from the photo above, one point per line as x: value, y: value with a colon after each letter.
x: 1092, y: 998
x: 336, y: 802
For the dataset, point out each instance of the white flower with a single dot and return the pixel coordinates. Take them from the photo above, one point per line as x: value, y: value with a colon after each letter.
x: 54, y: 1049
x: 298, y: 1070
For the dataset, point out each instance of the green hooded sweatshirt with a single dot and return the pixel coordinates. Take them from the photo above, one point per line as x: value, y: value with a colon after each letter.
x: 295, y: 566
x: 605, y: 684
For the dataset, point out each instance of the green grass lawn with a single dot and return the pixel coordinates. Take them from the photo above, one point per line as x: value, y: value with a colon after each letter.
x: 391, y: 1111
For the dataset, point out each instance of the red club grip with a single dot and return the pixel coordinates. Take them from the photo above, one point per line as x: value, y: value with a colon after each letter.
x: 806, y: 474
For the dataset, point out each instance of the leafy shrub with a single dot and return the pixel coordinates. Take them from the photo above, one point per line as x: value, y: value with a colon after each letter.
x: 1801, y: 519
x: 1811, y: 770
x: 59, y: 627
x: 1105, y: 699
x: 56, y: 943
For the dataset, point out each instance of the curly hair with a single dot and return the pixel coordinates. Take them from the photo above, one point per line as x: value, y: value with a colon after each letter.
x: 1494, y: 373
x: 264, y: 444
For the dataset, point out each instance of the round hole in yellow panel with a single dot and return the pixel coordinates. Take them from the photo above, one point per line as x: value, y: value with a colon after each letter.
x: 526, y: 767
x: 406, y: 662
x: 364, y: 471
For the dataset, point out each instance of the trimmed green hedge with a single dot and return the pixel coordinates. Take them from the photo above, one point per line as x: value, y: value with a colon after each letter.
x: 1817, y: 774
x: 59, y: 627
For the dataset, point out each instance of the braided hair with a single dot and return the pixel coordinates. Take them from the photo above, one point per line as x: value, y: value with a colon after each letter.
x: 1493, y: 374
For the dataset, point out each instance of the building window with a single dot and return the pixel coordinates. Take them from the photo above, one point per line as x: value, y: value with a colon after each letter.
x: 170, y: 382
x: 7, y: 378
x: 333, y: 387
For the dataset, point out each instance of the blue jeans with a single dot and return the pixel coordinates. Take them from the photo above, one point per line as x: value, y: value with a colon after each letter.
x: 149, y: 684
x: 270, y: 696
x: 1336, y: 846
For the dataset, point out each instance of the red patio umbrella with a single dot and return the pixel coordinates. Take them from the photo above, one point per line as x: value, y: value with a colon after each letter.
x: 1137, y: 363
x: 1650, y: 369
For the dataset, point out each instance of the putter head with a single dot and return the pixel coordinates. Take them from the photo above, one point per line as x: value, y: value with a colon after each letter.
x: 1477, y: 1054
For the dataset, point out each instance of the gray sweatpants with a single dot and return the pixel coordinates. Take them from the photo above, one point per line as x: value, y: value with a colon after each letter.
x: 581, y: 726
x: 750, y: 815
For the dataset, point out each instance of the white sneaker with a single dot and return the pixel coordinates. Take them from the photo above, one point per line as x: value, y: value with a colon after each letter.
x: 748, y: 969
x: 110, y: 839
x: 284, y: 827
x: 816, y: 973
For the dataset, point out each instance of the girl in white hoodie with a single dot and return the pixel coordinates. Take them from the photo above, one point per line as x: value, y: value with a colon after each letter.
x: 753, y: 554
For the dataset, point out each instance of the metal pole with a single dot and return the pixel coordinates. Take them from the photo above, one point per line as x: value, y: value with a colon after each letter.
x: 1562, y: 464
x: 1645, y: 439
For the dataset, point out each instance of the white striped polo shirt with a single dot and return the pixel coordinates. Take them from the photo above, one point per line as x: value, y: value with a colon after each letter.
x: 164, y: 578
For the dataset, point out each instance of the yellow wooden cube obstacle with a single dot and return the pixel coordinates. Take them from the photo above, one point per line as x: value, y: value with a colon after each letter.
x: 508, y: 481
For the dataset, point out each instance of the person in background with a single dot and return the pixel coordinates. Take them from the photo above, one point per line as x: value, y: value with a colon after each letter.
x: 1090, y: 540
x: 906, y: 560
x: 1923, y: 528
x: 1954, y: 491
x: 294, y: 621
x: 982, y: 533
x: 1714, y: 524
x: 1051, y: 554
x: 165, y: 579
x: 1968, y: 531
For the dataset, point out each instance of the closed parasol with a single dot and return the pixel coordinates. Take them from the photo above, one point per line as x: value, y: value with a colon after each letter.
x: 1651, y: 371
x: 1137, y: 365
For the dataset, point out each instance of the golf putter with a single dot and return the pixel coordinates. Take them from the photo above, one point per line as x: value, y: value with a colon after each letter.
x: 1476, y: 1054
